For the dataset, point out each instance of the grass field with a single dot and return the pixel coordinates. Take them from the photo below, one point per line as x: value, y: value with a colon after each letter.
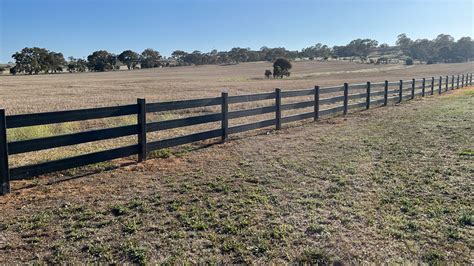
x: 390, y: 184
x: 29, y: 94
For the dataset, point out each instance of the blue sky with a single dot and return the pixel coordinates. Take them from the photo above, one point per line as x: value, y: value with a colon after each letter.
x: 79, y: 27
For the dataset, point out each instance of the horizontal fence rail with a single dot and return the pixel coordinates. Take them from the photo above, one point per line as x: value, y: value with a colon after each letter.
x: 322, y: 101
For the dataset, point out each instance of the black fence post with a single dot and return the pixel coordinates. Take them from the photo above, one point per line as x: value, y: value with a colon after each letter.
x: 413, y: 88
x: 346, y: 98
x: 452, y: 83
x: 462, y: 81
x: 471, y: 80
x: 225, y: 116
x: 4, y: 170
x: 367, y: 99
x: 385, y: 93
x: 432, y: 85
x: 440, y: 85
x: 278, y: 108
x: 316, y: 103
x: 423, y: 87
x: 457, y: 83
x: 141, y: 119
x: 400, y: 92
x: 447, y: 83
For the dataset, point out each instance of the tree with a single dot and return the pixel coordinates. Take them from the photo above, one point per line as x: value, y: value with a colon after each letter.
x: 179, y: 55
x: 31, y: 60
x: 113, y: 60
x: 274, y: 53
x: 268, y: 73
x: 129, y: 58
x: 404, y: 43
x: 53, y: 62
x: 150, y: 58
x: 422, y: 49
x: 76, y: 65
x: 463, y: 49
x: 445, y: 54
x: 71, y: 64
x: 443, y: 46
x: 318, y: 50
x: 239, y: 54
x: 281, y: 67
x: 101, y: 61
x: 81, y: 65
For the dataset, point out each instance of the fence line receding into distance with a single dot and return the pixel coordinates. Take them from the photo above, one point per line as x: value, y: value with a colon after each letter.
x: 389, y: 91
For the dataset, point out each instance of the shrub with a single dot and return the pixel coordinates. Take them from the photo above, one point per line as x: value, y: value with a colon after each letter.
x: 409, y: 61
x: 268, y: 73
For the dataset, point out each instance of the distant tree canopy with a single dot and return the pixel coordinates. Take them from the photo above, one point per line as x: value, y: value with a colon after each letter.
x: 101, y: 61
x: 76, y: 65
x: 150, y: 58
x: 129, y: 58
x: 318, y: 50
x: 443, y: 48
x: 35, y: 60
x: 359, y: 47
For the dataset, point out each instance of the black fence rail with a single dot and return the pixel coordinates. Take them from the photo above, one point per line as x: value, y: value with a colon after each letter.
x: 383, y: 93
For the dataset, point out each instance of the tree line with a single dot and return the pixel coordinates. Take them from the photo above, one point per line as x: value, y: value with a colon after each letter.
x: 443, y: 48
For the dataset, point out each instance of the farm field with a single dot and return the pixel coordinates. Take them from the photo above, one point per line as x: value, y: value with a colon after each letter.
x: 28, y: 94
x: 389, y: 184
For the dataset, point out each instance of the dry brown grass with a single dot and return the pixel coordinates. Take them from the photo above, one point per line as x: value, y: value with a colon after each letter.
x: 28, y: 94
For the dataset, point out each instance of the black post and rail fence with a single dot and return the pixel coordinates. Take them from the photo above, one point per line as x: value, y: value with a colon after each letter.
x: 383, y: 93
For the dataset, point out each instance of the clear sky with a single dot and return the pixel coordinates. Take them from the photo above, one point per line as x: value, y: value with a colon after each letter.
x: 79, y: 27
